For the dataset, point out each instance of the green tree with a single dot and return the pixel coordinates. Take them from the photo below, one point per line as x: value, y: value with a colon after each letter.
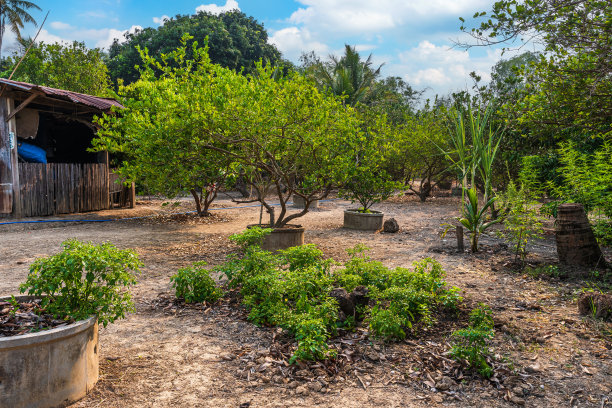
x: 283, y: 133
x: 568, y: 92
x: 348, y: 76
x: 162, y: 132
x: 416, y: 159
x: 14, y: 14
x: 65, y: 66
x: 235, y: 41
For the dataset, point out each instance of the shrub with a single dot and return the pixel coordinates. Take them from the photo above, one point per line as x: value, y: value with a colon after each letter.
x: 84, y: 280
x: 291, y: 290
x: 195, y: 285
x: 470, y: 344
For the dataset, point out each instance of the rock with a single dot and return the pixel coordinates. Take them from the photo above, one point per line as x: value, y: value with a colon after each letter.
x: 391, y: 226
x: 345, y: 303
x: 227, y: 356
x: 315, y: 386
x: 517, y: 400
x: 594, y: 304
x: 359, y: 296
x: 445, y: 383
x: 533, y: 369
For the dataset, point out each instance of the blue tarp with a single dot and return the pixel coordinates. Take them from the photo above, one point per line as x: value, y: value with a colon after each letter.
x: 31, y: 153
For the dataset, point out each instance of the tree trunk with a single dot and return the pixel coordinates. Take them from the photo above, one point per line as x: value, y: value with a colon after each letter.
x: 198, y: 203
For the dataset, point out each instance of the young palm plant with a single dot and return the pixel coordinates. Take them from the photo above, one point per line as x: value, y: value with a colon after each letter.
x: 474, y: 218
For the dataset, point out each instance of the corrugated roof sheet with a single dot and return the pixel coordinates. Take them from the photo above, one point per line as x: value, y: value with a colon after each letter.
x: 97, y: 102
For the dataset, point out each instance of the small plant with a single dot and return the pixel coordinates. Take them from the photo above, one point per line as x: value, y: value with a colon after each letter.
x: 474, y: 218
x: 195, y: 285
x: 470, y: 344
x: 292, y: 290
x: 84, y: 280
x: 521, y: 219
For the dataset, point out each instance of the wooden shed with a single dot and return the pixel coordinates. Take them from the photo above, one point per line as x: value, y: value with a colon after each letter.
x: 58, y: 126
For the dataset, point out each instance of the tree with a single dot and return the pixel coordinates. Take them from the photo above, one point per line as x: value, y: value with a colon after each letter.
x: 347, y: 76
x: 568, y: 92
x: 188, y: 115
x: 162, y: 131
x: 235, y: 41
x: 417, y: 159
x: 14, y: 13
x: 288, y: 137
x: 65, y: 66
x: 363, y: 175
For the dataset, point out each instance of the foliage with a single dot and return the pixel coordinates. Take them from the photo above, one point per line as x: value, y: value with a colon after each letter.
x: 161, y: 132
x: 522, y: 219
x: 194, y: 284
x: 470, y: 344
x: 84, y: 280
x: 347, y: 76
x: 474, y: 217
x: 291, y: 290
x: 236, y: 42
x: 73, y: 67
x: 14, y: 13
x: 363, y: 177
x: 586, y: 178
x: 567, y: 90
x: 403, y: 298
x: 416, y: 159
x: 287, y: 136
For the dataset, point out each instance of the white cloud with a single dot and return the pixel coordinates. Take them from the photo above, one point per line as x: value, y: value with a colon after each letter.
x: 293, y: 41
x: 160, y: 20
x: 366, y: 16
x: 215, y: 9
x: 58, y: 25
x: 109, y: 35
x: 49, y: 38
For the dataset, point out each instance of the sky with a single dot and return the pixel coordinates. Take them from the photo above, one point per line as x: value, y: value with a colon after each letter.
x: 412, y: 38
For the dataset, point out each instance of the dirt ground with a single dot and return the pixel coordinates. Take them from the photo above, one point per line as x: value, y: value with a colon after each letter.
x: 201, y: 356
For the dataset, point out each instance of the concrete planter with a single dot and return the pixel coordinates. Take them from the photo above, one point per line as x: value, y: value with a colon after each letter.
x: 50, y: 368
x: 282, y: 238
x: 353, y: 219
x: 298, y: 202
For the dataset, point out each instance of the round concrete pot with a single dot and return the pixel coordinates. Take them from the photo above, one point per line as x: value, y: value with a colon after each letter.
x: 298, y: 202
x: 282, y: 238
x: 50, y: 368
x: 356, y: 220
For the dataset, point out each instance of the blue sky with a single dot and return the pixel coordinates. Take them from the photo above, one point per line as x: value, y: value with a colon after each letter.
x: 413, y: 38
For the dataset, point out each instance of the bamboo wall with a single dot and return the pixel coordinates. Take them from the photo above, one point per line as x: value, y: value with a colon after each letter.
x: 62, y: 188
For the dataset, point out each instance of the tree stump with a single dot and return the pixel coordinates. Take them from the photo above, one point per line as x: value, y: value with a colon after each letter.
x: 576, y: 243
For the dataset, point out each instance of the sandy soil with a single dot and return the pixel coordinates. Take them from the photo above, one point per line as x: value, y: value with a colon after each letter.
x: 167, y: 356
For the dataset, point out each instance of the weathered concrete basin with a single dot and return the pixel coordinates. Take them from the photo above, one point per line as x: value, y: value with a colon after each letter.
x: 50, y: 368
x: 353, y: 219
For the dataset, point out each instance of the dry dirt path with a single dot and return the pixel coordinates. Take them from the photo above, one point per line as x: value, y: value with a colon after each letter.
x: 157, y: 358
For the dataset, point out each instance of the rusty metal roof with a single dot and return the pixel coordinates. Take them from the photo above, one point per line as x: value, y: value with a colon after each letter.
x: 103, y: 104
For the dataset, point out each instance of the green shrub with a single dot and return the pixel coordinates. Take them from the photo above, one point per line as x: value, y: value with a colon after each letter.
x: 291, y: 290
x: 195, y: 285
x: 471, y: 344
x: 84, y: 280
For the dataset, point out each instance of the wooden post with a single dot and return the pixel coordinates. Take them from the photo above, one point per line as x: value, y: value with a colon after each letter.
x: 133, y: 195
x: 460, y: 246
x: 17, y: 212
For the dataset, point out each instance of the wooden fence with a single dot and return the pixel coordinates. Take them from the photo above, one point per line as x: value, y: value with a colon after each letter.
x: 63, y: 188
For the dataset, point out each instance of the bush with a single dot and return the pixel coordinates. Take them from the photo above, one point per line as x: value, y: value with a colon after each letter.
x: 84, y: 280
x: 291, y: 290
x: 470, y: 344
x: 195, y: 285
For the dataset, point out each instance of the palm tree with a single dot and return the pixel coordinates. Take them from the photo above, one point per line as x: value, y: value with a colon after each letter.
x: 348, y: 76
x: 14, y: 14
